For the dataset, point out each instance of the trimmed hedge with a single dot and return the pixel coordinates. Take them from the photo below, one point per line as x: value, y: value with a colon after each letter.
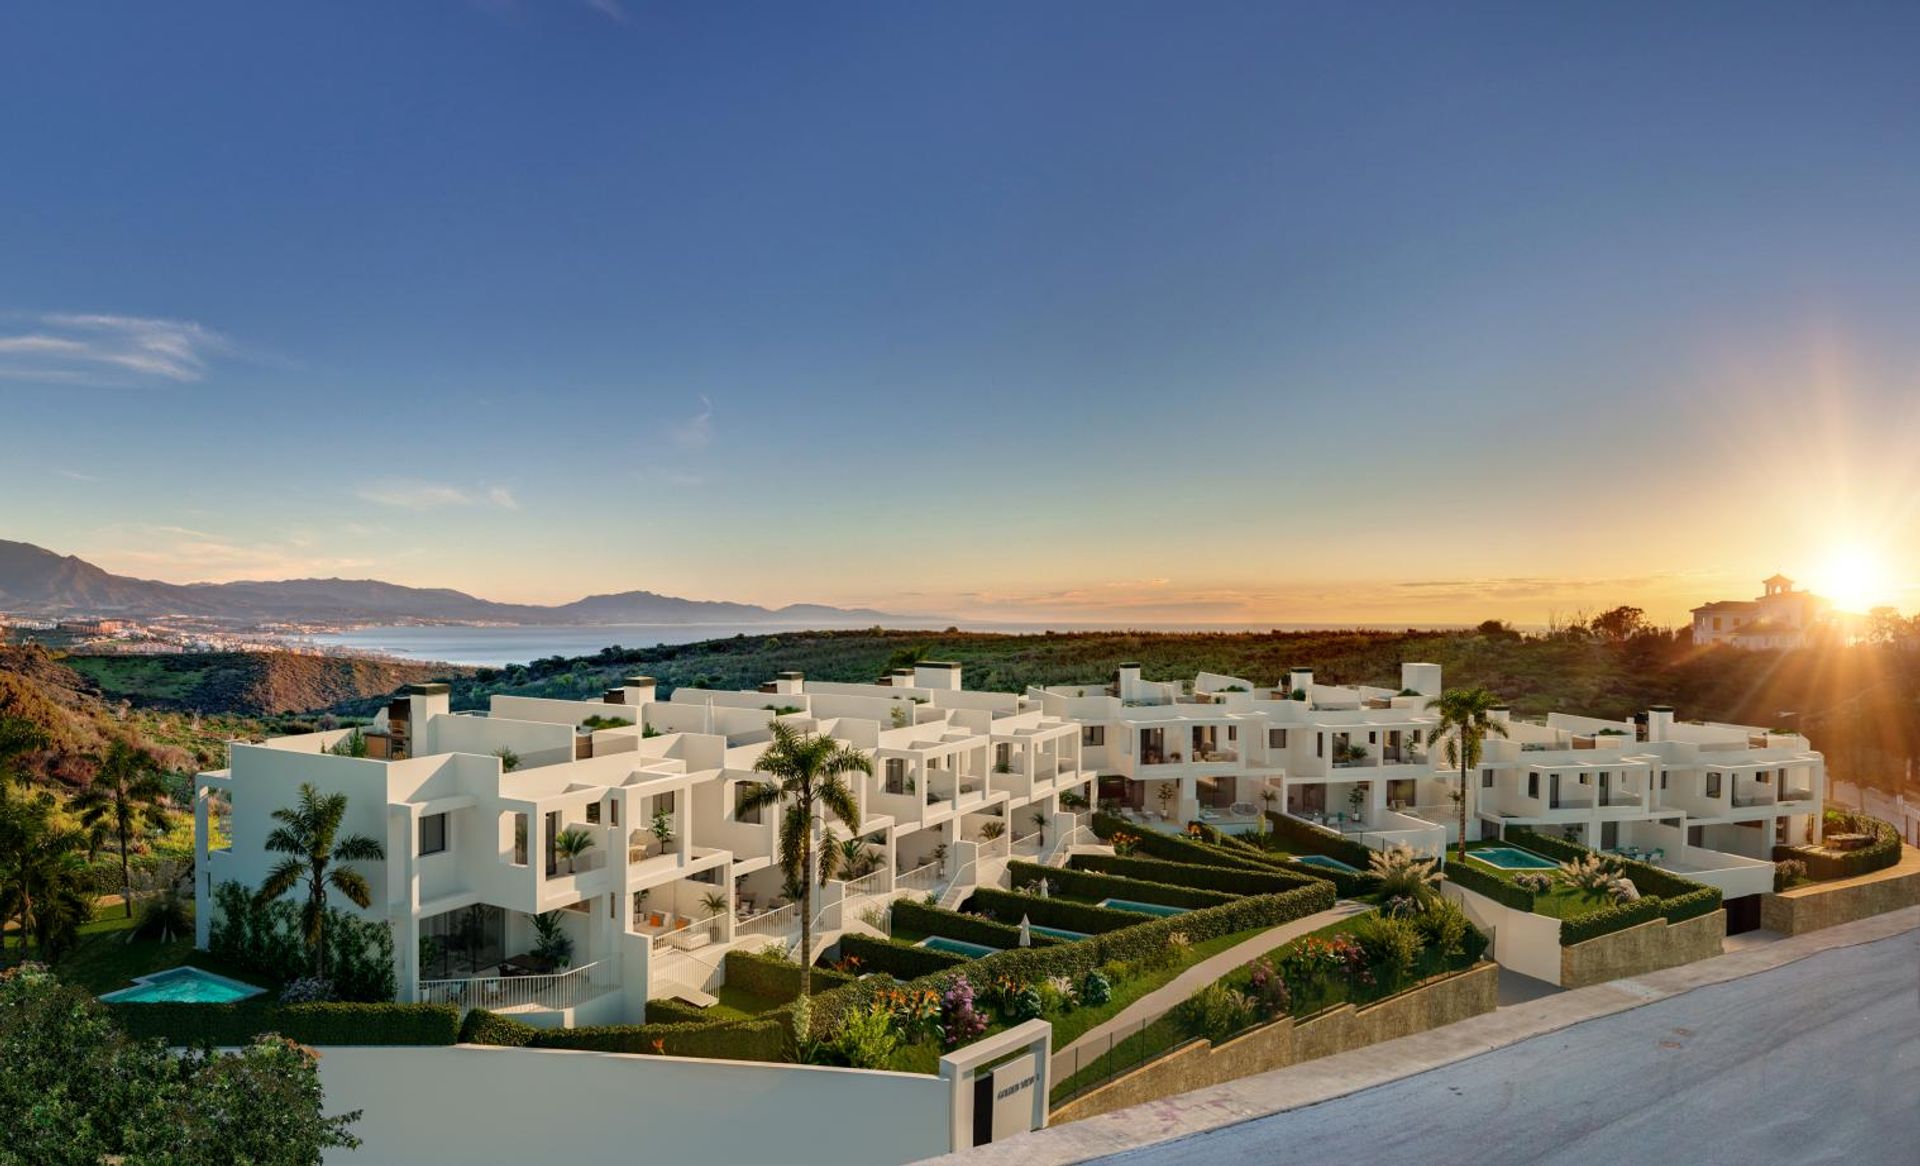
x: 1230, y: 879
x: 746, y: 1040
x: 330, y: 1023
x: 1491, y: 885
x: 900, y: 960
x: 1307, y: 838
x: 1607, y: 920
x: 776, y: 979
x: 1094, y: 885
x: 669, y: 1011
x: 927, y: 920
x: 1881, y: 853
x: 1009, y: 906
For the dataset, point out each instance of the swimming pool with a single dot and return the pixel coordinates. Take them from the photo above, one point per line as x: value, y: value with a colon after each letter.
x: 1511, y: 858
x: 957, y: 946
x: 183, y: 986
x: 1322, y: 860
x: 1056, y: 932
x: 1142, y: 908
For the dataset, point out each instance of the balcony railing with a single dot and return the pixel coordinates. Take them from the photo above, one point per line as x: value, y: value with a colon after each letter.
x: 776, y: 922
x: 996, y: 847
x: 497, y: 993
x: 868, y: 884
x: 588, y: 860
x: 698, y: 933
x: 1029, y: 844
x: 920, y: 879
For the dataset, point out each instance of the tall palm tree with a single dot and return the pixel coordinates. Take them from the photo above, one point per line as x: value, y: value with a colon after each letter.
x: 128, y: 794
x: 809, y: 775
x: 1466, y: 720
x: 308, y: 835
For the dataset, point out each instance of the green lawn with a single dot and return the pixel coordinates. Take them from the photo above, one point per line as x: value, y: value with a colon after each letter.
x: 1561, y: 902
x: 740, y: 1004
x: 105, y: 961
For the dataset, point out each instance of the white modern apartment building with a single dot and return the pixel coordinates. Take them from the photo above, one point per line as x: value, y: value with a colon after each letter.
x: 1223, y: 749
x: 1711, y: 800
x: 468, y: 807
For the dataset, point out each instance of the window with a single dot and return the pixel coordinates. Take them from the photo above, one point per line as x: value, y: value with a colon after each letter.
x: 593, y: 813
x: 1764, y: 777
x: 1373, y: 738
x: 663, y: 803
x: 1713, y: 785
x: 1093, y: 736
x: 1003, y: 756
x: 1319, y: 744
x: 433, y: 834
x: 740, y: 793
x: 1533, y: 786
x: 896, y: 775
x: 1233, y: 732
x: 1276, y: 738
x: 1486, y: 779
x: 1663, y: 779
x: 613, y: 812
x: 1696, y: 836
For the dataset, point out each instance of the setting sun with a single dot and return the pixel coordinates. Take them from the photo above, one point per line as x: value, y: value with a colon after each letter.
x: 1855, y: 579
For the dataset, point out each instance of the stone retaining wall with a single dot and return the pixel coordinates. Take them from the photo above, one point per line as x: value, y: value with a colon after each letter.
x: 1340, y: 1029
x: 1818, y: 905
x: 1642, y: 948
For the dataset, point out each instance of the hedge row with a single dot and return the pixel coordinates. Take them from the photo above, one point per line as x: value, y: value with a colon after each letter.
x: 1307, y: 838
x: 747, y: 1040
x: 1143, y: 940
x: 310, y: 1024
x: 1882, y: 852
x: 1231, y: 879
x: 1171, y: 847
x: 1607, y: 920
x: 1088, y: 884
x: 776, y: 979
x: 1647, y: 878
x: 898, y: 959
x: 1481, y: 882
x: 1009, y: 906
x: 670, y: 1011
x: 911, y: 916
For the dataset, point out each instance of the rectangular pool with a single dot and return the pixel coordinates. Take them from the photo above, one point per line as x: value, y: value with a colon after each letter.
x: 1512, y: 858
x: 1142, y: 908
x: 1056, y: 932
x: 182, y: 986
x: 957, y: 946
x: 1321, y: 860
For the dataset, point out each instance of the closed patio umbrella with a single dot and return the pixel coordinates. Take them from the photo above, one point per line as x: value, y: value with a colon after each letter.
x: 1026, y: 932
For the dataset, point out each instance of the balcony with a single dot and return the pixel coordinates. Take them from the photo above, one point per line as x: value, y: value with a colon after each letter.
x: 519, y: 989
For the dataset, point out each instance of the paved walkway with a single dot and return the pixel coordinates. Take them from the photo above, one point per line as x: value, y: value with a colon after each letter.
x: 1169, y: 995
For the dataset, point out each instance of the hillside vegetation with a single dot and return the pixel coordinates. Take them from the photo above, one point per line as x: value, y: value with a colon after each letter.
x: 249, y: 683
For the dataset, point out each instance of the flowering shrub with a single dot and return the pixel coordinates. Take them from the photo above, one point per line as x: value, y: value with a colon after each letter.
x: 959, y: 1022
x: 1123, y: 842
x: 1096, y: 989
x: 1267, y: 988
x: 1534, y: 884
x: 1059, y: 994
x: 306, y: 990
x: 916, y: 1011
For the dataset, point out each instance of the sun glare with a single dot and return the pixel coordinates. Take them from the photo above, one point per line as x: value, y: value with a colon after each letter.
x: 1855, y: 579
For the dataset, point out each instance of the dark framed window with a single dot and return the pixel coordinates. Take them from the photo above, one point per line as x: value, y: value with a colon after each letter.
x: 1713, y: 785
x: 1276, y: 738
x: 740, y: 792
x: 433, y: 833
x: 1533, y: 785
x: 896, y: 775
x: 593, y: 813
x: 1486, y: 779
x: 1093, y: 735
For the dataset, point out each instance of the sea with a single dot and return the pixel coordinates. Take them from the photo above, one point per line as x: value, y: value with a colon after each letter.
x: 497, y: 646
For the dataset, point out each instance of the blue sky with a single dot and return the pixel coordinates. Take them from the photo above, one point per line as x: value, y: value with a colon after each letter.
x: 1104, y: 310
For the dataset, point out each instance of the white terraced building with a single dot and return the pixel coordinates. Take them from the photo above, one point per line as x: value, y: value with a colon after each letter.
x: 674, y: 878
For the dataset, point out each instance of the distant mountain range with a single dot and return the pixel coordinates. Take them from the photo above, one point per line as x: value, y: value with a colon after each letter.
x: 36, y: 581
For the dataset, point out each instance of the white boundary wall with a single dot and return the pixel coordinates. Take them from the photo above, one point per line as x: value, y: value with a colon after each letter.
x: 478, y: 1106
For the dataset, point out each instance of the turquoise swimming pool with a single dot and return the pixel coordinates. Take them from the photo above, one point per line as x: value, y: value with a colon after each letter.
x: 183, y: 986
x: 957, y: 946
x: 1511, y: 858
x: 1056, y: 932
x: 1142, y: 908
x: 1322, y: 860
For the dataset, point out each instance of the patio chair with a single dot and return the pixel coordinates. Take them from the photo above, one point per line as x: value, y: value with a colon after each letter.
x: 1657, y: 856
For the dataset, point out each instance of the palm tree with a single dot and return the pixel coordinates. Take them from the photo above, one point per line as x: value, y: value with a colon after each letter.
x: 308, y: 835
x: 571, y: 843
x: 1466, y: 719
x: 808, y: 772
x: 43, y: 878
x: 128, y: 794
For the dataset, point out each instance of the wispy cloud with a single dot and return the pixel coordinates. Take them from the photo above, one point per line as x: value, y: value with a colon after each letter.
x: 183, y: 554
x: 75, y: 475
x: 106, y: 351
x: 696, y: 432
x: 611, y: 9
x: 411, y: 494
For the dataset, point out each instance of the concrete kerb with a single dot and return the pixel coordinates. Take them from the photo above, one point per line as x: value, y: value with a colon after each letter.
x: 1328, y: 1078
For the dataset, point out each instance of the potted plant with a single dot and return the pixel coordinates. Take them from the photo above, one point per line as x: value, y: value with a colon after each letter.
x: 992, y: 829
x: 1165, y: 795
x: 1039, y: 820
x: 552, y: 945
x: 1356, y: 799
x: 571, y: 843
x: 663, y: 829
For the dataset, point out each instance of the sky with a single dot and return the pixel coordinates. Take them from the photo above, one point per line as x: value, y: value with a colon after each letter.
x: 1099, y: 312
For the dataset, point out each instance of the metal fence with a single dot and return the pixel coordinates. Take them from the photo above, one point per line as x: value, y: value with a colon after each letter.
x: 775, y: 923
x: 871, y: 884
x: 920, y: 879
x: 1088, y: 1063
x: 564, y: 990
x: 698, y: 933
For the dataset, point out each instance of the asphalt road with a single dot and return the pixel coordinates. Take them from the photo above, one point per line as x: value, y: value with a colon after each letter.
x: 1817, y: 1061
